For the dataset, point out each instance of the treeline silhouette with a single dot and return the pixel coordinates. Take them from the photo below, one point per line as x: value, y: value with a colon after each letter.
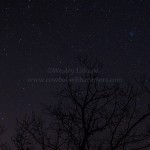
x: 88, y: 116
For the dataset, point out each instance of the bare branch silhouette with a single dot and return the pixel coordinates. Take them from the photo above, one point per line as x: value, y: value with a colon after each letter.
x: 92, y: 115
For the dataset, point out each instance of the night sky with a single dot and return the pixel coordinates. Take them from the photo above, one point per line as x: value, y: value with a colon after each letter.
x: 36, y: 35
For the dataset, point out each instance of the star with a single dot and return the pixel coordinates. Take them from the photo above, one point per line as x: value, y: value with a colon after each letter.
x: 23, y: 88
x: 131, y: 34
x: 20, y: 39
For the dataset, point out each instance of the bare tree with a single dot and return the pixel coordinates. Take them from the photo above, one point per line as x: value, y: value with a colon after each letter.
x: 22, y: 140
x: 93, y: 115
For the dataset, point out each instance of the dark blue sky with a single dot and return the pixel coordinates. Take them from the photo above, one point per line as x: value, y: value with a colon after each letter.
x: 37, y: 35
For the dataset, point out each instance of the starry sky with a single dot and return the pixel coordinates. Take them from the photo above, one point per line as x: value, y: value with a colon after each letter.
x: 37, y: 35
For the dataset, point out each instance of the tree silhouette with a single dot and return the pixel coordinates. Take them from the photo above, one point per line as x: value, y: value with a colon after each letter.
x: 22, y: 140
x: 92, y: 115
